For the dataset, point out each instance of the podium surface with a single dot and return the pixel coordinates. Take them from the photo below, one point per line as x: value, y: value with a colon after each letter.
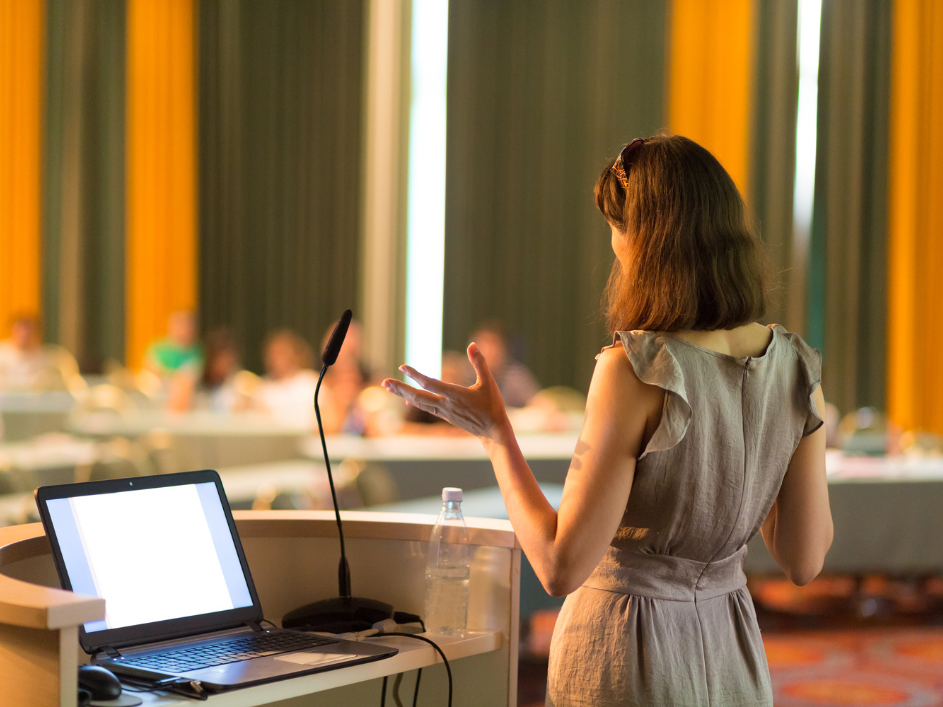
x: 293, y: 559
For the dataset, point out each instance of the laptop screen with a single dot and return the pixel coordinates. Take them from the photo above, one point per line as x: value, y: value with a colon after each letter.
x: 153, y: 554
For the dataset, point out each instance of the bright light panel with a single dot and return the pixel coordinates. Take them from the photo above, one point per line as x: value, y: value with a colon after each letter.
x: 810, y: 22
x: 425, y: 249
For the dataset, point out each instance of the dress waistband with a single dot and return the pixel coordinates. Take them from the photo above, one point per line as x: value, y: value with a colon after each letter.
x: 668, y: 577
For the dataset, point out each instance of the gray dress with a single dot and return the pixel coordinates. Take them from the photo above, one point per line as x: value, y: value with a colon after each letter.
x: 666, y: 617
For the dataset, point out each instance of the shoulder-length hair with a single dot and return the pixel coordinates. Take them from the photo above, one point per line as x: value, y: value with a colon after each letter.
x: 693, y: 260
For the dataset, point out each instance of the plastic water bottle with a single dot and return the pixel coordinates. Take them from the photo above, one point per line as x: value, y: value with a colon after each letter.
x: 447, y: 569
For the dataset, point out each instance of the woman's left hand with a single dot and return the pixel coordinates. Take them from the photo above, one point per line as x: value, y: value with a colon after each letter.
x: 478, y: 409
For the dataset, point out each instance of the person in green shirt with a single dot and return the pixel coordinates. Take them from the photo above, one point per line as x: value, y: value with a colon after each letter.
x: 179, y: 352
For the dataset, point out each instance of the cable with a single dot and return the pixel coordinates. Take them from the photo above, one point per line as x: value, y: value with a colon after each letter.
x: 383, y: 693
x: 445, y: 660
x: 396, y: 683
x: 177, y: 686
x: 402, y: 617
x: 416, y: 693
x: 418, y: 672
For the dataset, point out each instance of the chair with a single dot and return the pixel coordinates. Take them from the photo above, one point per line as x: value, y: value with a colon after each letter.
x: 106, y: 397
x: 68, y: 369
x: 376, y: 485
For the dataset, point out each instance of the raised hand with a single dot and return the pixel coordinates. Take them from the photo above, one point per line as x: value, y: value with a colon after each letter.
x: 478, y: 409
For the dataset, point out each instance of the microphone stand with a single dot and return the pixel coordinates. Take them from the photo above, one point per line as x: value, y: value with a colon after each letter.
x: 344, y: 613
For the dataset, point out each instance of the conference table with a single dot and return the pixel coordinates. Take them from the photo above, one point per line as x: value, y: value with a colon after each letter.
x: 423, y: 465
x: 201, y: 440
x: 24, y: 415
x: 888, y: 511
x: 888, y: 515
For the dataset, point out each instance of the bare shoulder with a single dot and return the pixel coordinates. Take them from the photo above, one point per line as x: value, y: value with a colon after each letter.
x: 616, y: 376
x: 620, y: 407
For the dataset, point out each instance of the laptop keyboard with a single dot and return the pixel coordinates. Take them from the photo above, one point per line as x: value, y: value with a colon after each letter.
x: 182, y: 660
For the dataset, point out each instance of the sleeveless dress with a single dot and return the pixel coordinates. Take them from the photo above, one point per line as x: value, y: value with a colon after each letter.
x: 666, y: 617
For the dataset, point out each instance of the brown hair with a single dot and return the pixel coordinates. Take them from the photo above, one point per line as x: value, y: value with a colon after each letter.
x: 693, y: 261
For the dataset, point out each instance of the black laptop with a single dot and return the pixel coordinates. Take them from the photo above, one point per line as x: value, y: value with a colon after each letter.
x: 164, y: 553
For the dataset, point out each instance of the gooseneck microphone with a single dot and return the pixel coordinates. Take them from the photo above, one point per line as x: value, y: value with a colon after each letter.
x: 346, y: 613
x: 328, y: 358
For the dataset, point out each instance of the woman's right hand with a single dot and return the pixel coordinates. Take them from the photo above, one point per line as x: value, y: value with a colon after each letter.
x: 478, y: 409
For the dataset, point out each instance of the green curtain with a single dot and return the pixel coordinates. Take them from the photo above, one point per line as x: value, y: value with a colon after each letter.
x: 847, y: 305
x: 540, y: 94
x: 280, y: 94
x: 83, y: 179
x: 775, y: 99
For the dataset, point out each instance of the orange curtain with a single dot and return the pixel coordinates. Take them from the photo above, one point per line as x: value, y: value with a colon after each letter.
x: 710, y: 73
x: 161, y: 168
x: 21, y: 81
x: 915, y: 219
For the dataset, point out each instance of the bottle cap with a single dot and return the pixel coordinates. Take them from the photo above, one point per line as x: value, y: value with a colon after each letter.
x: 450, y: 493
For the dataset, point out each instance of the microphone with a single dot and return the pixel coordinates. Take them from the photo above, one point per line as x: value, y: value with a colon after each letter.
x: 346, y: 613
x: 333, y: 348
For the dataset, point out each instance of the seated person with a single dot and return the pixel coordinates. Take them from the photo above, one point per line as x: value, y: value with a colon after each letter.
x: 217, y: 388
x: 516, y: 383
x: 287, y: 390
x: 343, y: 383
x: 386, y: 414
x: 25, y: 363
x: 179, y: 352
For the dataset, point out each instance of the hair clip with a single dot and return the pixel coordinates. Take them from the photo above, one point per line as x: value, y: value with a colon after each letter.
x: 624, y: 161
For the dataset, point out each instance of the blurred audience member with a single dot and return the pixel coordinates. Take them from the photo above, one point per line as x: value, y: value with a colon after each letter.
x: 25, y: 364
x: 387, y: 417
x: 287, y: 391
x: 343, y: 383
x: 516, y: 383
x: 179, y: 352
x: 456, y: 369
x: 217, y: 388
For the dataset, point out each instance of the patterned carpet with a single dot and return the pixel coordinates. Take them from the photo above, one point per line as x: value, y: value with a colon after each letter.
x: 879, y: 667
x: 873, y: 667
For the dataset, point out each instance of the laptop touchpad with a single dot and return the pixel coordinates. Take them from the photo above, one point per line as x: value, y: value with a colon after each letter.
x: 313, y: 658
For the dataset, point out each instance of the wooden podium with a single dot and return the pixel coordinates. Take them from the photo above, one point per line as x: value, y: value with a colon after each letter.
x: 293, y: 558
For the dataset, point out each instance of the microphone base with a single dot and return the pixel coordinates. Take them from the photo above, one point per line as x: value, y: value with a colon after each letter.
x: 338, y: 615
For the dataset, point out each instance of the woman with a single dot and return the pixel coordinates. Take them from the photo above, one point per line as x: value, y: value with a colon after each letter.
x: 288, y: 387
x: 217, y: 389
x: 702, y: 428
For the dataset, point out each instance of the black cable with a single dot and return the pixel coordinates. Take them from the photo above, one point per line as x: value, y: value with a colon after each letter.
x: 418, y: 672
x: 401, y: 617
x: 416, y: 693
x: 445, y: 660
x: 396, y: 683
x: 383, y: 693
x: 176, y: 686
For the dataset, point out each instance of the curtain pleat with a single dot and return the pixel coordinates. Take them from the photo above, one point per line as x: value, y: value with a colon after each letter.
x: 847, y: 310
x: 539, y: 96
x: 775, y: 100
x: 280, y: 98
x: 915, y: 322
x: 710, y: 76
x: 161, y: 163
x: 83, y: 231
x: 21, y: 105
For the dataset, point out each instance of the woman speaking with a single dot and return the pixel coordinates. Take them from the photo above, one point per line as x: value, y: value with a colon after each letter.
x: 702, y: 428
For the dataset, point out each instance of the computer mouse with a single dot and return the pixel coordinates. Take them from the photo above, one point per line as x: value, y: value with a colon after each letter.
x: 100, y: 682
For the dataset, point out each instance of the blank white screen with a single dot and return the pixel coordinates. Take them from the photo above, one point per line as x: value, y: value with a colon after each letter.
x: 151, y: 554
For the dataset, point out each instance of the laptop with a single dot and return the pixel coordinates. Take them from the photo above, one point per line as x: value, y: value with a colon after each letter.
x: 164, y: 553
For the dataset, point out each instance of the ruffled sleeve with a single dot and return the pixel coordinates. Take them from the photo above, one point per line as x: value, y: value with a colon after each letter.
x: 810, y: 378
x: 654, y: 364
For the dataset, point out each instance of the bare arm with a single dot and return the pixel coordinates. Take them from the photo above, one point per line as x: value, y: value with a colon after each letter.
x: 563, y: 546
x: 798, y: 531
